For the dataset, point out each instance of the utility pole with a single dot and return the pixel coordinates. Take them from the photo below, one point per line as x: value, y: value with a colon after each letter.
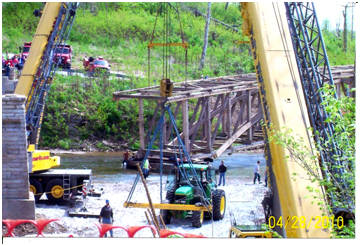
x: 207, y: 25
x: 345, y: 28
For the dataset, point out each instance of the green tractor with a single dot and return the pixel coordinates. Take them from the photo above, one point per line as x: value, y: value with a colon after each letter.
x: 194, y: 185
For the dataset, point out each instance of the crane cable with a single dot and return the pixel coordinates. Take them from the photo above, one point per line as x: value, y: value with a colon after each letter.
x: 166, y: 71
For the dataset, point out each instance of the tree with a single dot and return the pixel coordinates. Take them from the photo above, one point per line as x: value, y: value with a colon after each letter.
x: 207, y: 25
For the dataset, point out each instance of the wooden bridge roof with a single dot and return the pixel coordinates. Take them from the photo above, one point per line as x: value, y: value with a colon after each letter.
x: 216, y: 86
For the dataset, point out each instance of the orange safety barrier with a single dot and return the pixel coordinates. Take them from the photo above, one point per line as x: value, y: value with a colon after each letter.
x: 11, y: 224
x: 103, y: 228
x: 167, y: 233
x: 39, y: 224
x: 132, y: 230
x: 188, y: 235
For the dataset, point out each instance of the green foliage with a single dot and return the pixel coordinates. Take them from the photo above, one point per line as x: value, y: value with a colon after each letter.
x: 347, y: 231
x: 341, y: 112
x: 18, y: 24
x: 120, y: 32
x: 334, y: 48
x: 64, y: 144
x: 81, y: 109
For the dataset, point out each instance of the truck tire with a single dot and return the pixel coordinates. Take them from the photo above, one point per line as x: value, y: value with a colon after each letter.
x: 36, y: 188
x: 197, y: 218
x: 219, y: 204
x: 55, y: 190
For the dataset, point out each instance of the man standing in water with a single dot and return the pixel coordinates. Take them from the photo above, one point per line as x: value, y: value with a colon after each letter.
x: 126, y: 158
x: 222, y: 171
x: 257, y: 172
x: 106, y: 215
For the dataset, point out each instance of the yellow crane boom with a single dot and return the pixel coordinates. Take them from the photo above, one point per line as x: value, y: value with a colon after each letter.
x: 38, y: 45
x: 266, y: 25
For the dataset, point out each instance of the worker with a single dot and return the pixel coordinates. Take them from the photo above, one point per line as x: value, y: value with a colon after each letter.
x: 222, y: 171
x: 106, y: 216
x: 126, y: 158
x: 257, y: 172
x: 20, y: 64
x: 146, y: 168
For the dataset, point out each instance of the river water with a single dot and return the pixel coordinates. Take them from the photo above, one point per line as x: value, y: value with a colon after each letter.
x: 107, y: 167
x: 242, y: 196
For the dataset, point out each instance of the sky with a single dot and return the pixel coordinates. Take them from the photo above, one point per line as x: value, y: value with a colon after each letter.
x: 332, y: 11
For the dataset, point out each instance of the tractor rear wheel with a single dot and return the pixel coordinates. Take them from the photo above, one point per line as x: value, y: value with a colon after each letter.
x: 36, y: 188
x: 219, y: 204
x: 55, y: 190
x: 197, y: 218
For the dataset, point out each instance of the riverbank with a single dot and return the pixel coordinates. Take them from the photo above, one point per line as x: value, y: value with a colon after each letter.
x: 242, y: 196
x: 243, y: 204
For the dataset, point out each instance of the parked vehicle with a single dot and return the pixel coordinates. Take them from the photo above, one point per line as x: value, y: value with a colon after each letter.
x: 63, y: 55
x: 96, y: 65
x: 24, y: 51
x: 184, y: 189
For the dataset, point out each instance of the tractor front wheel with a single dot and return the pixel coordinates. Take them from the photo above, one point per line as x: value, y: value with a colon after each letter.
x: 170, y: 194
x: 219, y: 204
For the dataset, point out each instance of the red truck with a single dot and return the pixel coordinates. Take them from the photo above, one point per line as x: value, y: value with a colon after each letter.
x: 96, y: 65
x: 63, y: 55
x: 25, y: 50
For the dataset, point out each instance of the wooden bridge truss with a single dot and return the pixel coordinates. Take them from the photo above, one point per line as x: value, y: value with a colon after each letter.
x: 216, y: 113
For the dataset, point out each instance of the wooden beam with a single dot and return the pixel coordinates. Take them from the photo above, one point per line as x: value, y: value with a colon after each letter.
x: 228, y: 115
x: 223, y: 119
x: 169, y: 127
x: 250, y: 133
x: 208, y: 124
x: 193, y: 117
x: 141, y: 124
x: 221, y: 116
x: 239, y: 119
x: 195, y: 128
x: 185, y: 117
x: 210, y: 93
x: 149, y: 198
x: 244, y: 127
x: 152, y: 122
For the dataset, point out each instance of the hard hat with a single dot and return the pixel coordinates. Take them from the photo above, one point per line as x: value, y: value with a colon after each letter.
x: 107, y: 201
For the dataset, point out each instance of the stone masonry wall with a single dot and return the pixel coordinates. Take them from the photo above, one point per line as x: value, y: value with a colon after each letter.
x: 17, y: 201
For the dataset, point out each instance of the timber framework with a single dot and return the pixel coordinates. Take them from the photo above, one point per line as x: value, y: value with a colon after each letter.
x: 216, y: 113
